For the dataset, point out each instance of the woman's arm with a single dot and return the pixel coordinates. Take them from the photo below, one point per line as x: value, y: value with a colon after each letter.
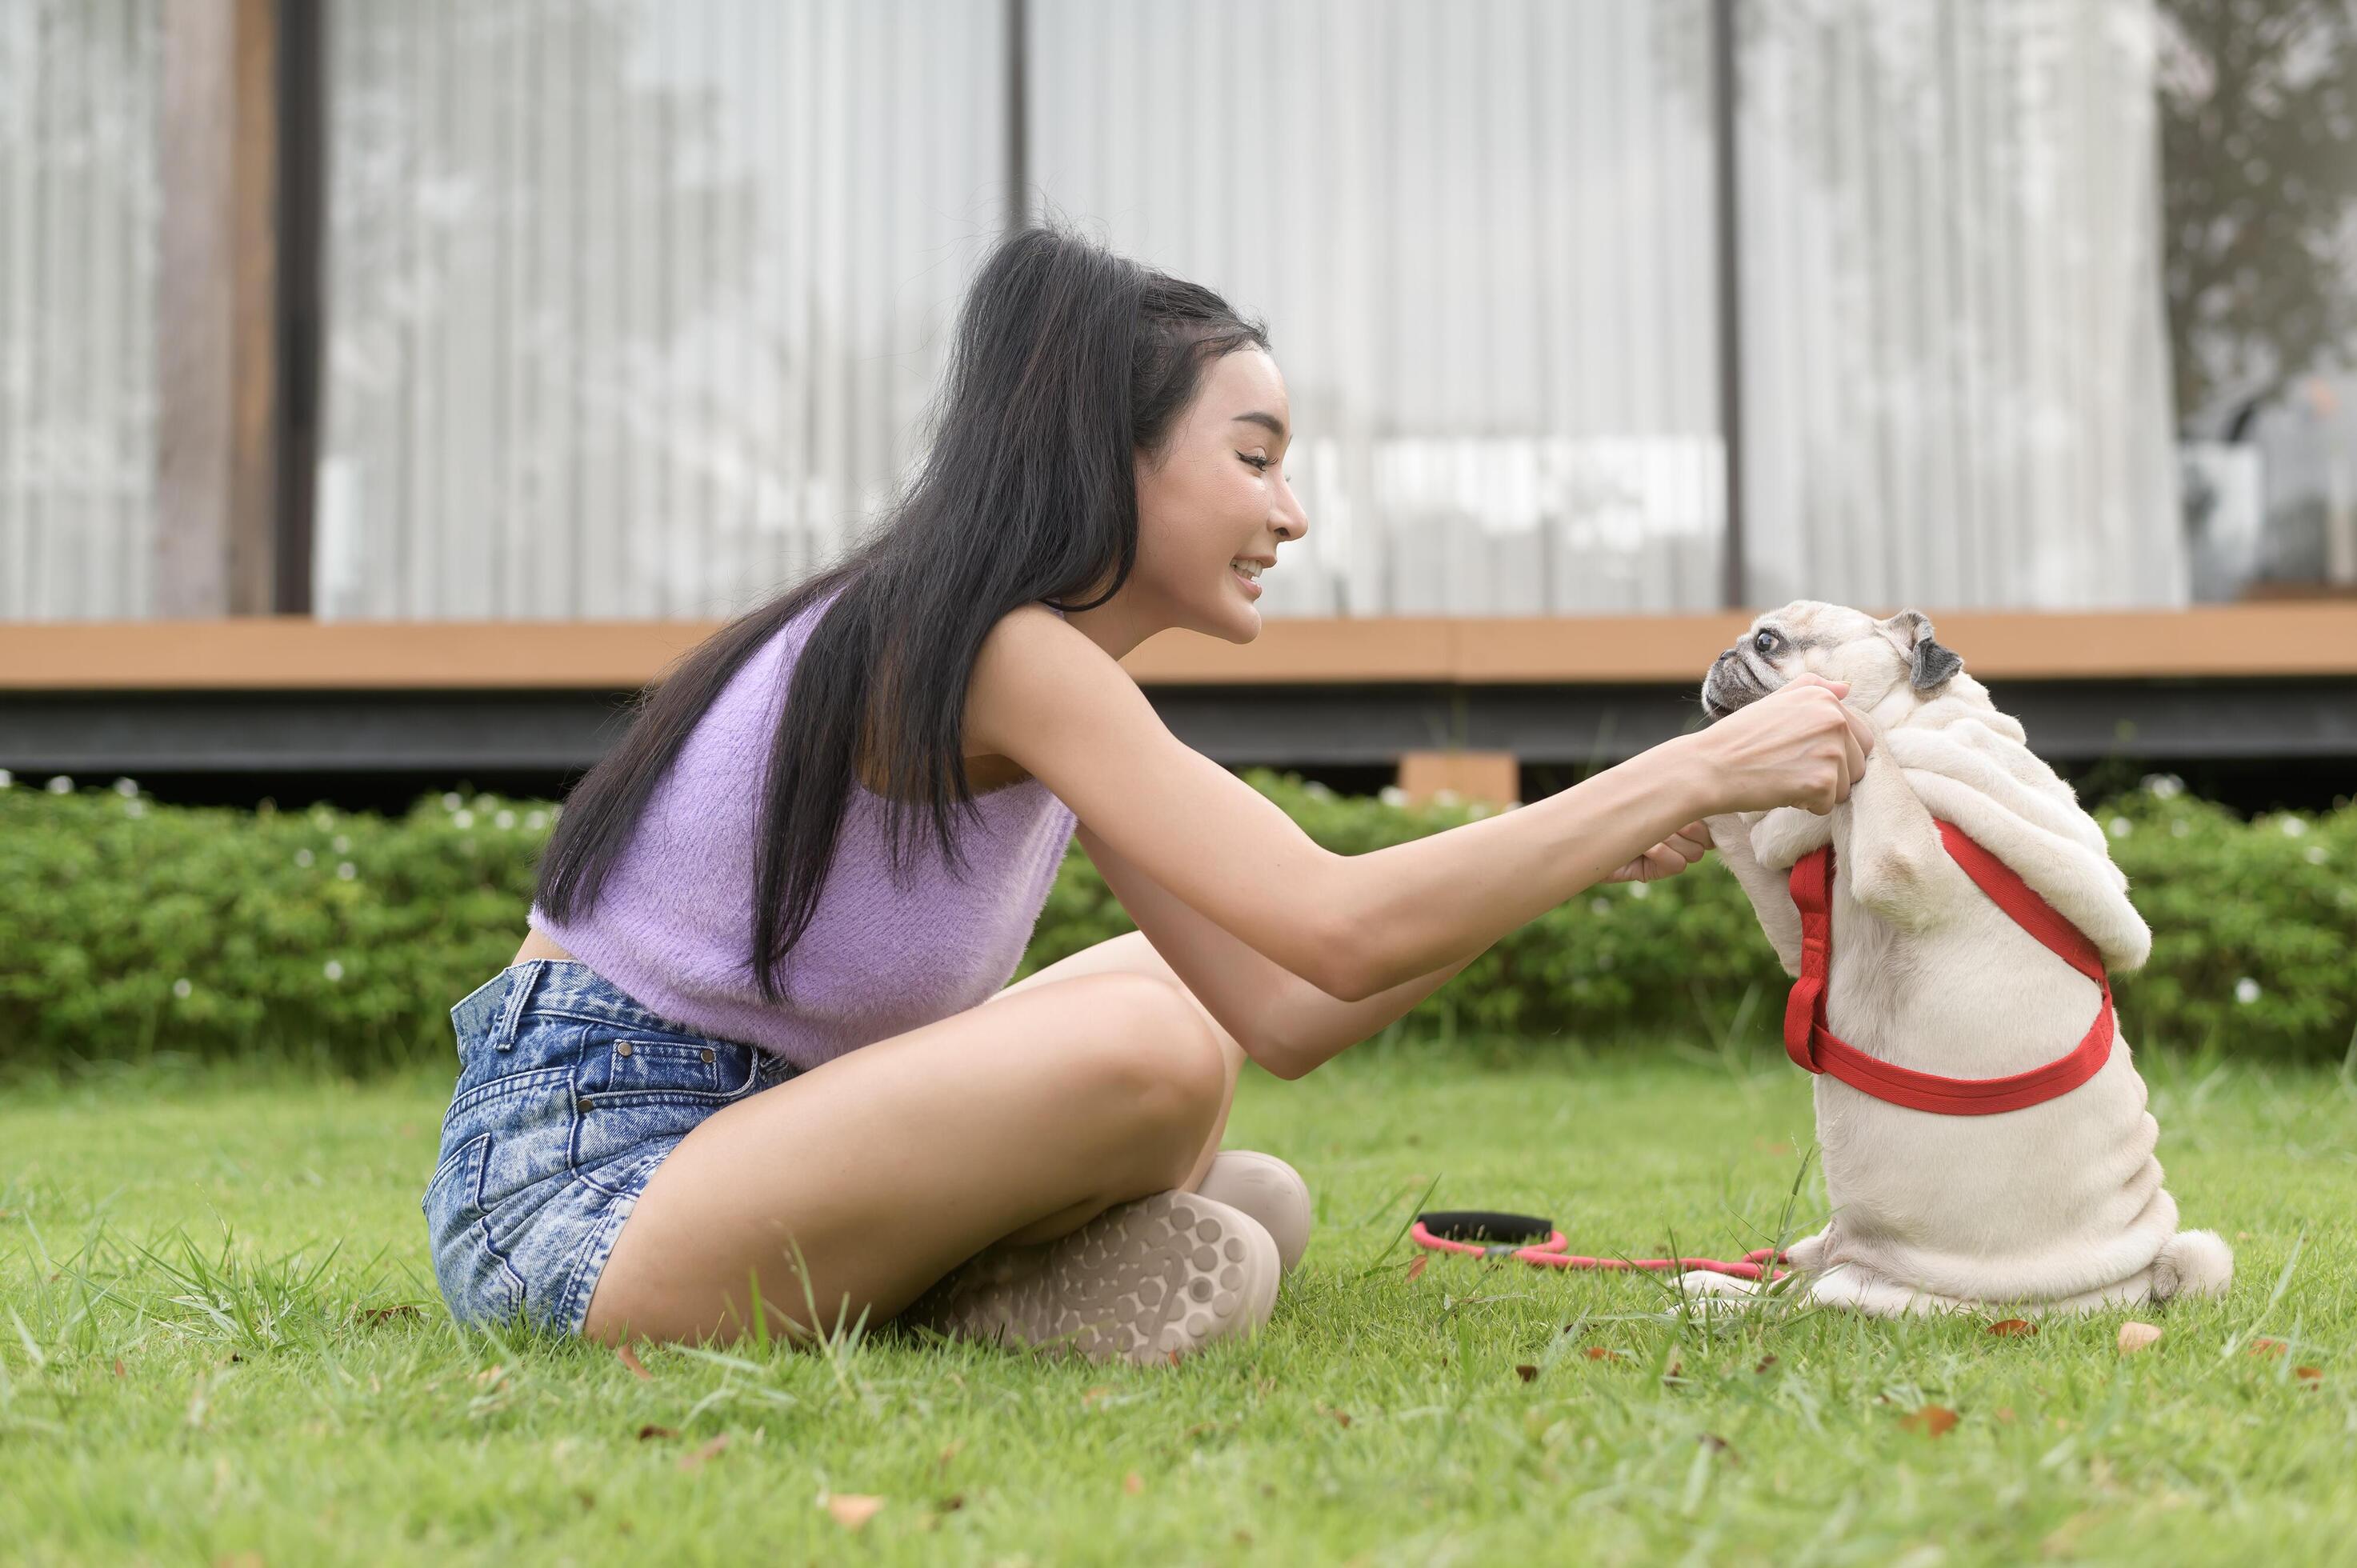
x: 1282, y: 1022
x: 1357, y: 926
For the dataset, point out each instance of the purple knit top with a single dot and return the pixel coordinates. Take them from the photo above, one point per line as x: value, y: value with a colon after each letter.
x: 673, y: 924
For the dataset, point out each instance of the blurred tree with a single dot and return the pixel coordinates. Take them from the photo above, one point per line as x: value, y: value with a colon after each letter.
x: 2258, y: 125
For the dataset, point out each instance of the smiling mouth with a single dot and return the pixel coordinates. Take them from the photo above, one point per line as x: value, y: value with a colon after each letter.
x: 1248, y: 571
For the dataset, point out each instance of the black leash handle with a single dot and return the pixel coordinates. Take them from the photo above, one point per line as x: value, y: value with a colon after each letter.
x: 1485, y: 1225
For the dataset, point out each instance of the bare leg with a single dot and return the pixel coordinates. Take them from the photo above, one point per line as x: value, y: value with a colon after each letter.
x: 1133, y: 954
x: 888, y: 1168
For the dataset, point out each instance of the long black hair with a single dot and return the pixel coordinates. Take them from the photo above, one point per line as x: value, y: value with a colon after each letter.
x: 1069, y: 362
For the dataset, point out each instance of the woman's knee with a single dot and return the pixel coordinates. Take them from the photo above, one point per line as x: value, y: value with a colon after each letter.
x: 1154, y: 1056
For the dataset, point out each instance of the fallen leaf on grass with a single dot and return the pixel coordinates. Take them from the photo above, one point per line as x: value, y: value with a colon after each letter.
x: 1132, y: 1483
x: 1415, y: 1270
x: 1932, y: 1420
x: 118, y: 1368
x: 2266, y: 1348
x: 2136, y: 1336
x: 1599, y: 1353
x: 1719, y: 1445
x: 2012, y: 1326
x: 853, y: 1512
x: 387, y: 1313
x: 1527, y: 1372
x: 2005, y: 1413
x: 711, y: 1450
x: 1765, y: 1362
x: 491, y: 1377
x: 950, y: 1450
x: 651, y: 1430
x: 1341, y: 1417
x: 2307, y: 1374
x: 629, y: 1357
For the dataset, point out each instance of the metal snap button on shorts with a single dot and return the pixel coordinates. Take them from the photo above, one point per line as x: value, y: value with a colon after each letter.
x: 569, y: 1095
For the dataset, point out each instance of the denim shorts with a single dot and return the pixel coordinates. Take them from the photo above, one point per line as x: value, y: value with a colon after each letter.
x: 569, y: 1095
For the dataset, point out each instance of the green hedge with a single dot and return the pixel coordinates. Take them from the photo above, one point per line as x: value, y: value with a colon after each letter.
x: 128, y: 928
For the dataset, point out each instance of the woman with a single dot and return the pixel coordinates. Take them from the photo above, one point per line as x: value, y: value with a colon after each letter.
x: 869, y: 783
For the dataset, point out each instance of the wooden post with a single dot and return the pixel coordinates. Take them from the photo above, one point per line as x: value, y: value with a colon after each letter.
x: 219, y: 419
x: 1491, y: 777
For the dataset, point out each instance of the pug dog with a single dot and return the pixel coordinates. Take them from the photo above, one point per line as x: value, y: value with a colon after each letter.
x: 2055, y: 1205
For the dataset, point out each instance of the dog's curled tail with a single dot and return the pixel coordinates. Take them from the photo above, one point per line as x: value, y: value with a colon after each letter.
x: 2192, y: 1262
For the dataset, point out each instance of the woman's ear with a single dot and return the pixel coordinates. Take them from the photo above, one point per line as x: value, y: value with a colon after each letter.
x: 1931, y: 663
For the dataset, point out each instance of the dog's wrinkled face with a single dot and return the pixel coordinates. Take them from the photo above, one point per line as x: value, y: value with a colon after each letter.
x: 1879, y: 658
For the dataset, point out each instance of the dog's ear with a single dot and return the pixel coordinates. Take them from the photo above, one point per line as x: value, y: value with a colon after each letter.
x: 1931, y: 663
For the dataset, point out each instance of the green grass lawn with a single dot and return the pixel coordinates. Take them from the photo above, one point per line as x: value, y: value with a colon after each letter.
x: 219, y: 1342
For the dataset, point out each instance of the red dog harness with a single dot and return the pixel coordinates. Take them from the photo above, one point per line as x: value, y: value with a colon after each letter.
x: 1812, y: 1045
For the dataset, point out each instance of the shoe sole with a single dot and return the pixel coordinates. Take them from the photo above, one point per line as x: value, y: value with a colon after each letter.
x: 1144, y: 1281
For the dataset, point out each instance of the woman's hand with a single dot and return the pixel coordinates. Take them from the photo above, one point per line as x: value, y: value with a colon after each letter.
x: 1799, y: 746
x: 1667, y: 858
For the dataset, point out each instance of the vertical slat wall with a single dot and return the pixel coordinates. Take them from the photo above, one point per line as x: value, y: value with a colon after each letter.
x: 635, y: 304
x: 1955, y: 367
x: 79, y: 88
x: 1482, y: 238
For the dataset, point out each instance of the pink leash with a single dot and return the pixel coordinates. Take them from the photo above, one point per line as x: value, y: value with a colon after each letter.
x: 1456, y: 1230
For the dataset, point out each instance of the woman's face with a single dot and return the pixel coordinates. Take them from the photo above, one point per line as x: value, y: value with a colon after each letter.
x: 1214, y: 505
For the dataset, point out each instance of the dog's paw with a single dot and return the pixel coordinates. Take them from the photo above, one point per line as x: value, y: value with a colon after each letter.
x: 1713, y: 1291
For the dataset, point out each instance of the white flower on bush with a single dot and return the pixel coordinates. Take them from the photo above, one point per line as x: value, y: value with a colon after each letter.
x: 61, y: 785
x: 2315, y: 854
x: 2294, y: 827
x: 347, y: 871
x: 340, y: 844
x: 333, y: 970
x: 181, y: 988
x: 504, y: 820
x: 1639, y: 890
x: 2246, y: 991
x: 2122, y: 827
x: 451, y: 802
x: 126, y: 787
x: 302, y: 857
x: 536, y: 820
x: 8, y: 779
x: 1391, y: 795
x: 2163, y: 785
x: 464, y: 820
x: 135, y: 808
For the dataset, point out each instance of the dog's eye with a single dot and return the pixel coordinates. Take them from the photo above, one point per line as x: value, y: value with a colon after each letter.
x: 1766, y: 643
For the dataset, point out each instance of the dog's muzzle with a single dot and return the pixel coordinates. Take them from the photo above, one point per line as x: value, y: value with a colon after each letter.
x: 1729, y: 685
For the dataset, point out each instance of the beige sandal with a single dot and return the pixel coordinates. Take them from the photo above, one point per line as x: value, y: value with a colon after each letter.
x: 1147, y: 1281
x: 1270, y: 1191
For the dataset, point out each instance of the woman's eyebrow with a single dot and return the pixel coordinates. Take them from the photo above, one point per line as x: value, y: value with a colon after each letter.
x: 1274, y: 424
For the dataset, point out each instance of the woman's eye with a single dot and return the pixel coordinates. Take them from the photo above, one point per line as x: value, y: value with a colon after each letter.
x: 1766, y: 643
x: 1259, y: 463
